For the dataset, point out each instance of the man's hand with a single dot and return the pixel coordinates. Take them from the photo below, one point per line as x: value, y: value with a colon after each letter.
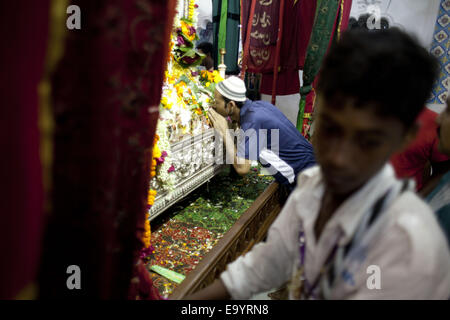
x: 242, y: 166
x: 218, y: 122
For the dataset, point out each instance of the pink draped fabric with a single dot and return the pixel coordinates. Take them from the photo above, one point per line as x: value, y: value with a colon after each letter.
x: 24, y: 29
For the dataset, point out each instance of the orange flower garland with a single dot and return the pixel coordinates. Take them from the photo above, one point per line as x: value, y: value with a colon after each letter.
x: 152, y: 193
x: 147, y: 235
x: 156, y: 154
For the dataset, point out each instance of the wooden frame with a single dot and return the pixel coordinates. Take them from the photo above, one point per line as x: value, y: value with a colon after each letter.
x: 250, y: 229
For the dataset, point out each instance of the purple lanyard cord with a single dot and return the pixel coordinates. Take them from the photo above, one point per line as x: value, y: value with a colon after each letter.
x: 310, y: 288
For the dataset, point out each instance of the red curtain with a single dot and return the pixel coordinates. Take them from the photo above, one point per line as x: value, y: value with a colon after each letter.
x: 298, y: 20
x: 263, y: 34
x: 105, y: 93
x: 23, y: 27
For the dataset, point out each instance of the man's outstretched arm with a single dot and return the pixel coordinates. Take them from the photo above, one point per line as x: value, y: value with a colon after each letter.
x: 242, y: 166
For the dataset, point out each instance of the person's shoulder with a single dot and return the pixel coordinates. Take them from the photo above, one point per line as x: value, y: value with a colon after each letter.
x: 308, y: 178
x: 416, y: 225
x: 249, y: 109
x: 261, y: 105
x: 427, y: 116
x: 256, y: 111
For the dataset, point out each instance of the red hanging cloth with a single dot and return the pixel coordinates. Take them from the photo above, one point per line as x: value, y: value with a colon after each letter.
x: 24, y: 30
x: 105, y: 96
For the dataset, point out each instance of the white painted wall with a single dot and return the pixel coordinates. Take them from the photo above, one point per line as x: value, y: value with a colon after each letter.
x: 418, y: 17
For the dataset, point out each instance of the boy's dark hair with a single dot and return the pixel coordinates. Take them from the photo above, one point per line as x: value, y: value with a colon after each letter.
x: 385, y: 67
x: 239, y: 104
x: 206, y: 47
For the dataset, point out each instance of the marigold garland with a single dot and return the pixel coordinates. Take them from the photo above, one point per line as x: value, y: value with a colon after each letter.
x: 191, y: 10
x: 146, y: 239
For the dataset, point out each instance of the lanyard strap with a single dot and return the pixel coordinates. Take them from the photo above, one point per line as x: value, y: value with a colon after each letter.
x: 309, y: 289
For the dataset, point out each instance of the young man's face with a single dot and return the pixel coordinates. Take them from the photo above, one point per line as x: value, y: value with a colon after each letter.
x: 219, y: 104
x: 443, y: 121
x: 352, y: 144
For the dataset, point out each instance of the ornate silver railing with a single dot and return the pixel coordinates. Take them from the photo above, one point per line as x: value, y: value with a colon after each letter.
x: 195, y: 163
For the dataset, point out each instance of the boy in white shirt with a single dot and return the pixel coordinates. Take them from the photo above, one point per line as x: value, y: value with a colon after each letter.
x: 351, y: 230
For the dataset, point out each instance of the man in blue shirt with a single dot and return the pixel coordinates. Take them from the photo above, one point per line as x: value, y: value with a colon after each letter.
x: 266, y: 135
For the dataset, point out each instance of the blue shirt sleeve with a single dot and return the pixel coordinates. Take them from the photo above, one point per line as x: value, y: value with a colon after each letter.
x: 248, y: 142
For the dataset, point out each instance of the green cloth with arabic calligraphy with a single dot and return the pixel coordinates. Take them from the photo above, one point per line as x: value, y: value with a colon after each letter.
x: 324, y: 22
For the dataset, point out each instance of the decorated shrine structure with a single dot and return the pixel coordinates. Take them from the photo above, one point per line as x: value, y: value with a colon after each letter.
x: 192, y: 240
x: 184, y: 152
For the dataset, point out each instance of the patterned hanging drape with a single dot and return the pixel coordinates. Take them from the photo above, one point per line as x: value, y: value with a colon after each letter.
x: 105, y: 95
x: 331, y: 19
x: 440, y: 48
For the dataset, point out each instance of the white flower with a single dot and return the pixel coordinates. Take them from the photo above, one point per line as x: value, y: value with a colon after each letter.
x: 185, y: 117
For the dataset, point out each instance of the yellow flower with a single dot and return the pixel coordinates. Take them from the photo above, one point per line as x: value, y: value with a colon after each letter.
x: 180, y: 101
x: 217, y: 77
x: 151, y: 200
x: 185, y: 28
x: 186, y: 32
x: 191, y: 9
x: 146, y: 239
x: 156, y: 151
x: 207, y: 84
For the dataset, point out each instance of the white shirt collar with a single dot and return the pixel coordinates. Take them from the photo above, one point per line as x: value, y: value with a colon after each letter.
x: 349, y: 214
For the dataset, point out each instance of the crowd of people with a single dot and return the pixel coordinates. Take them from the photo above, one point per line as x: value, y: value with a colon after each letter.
x: 354, y: 226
